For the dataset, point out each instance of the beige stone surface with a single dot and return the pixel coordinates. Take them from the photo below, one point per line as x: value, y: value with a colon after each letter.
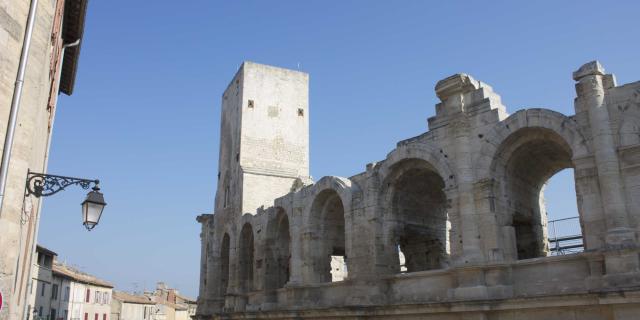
x: 44, y: 75
x: 450, y: 225
x: 18, y: 219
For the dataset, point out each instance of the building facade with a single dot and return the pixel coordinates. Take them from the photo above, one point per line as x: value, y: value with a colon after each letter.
x: 171, y: 305
x: 61, y: 292
x: 81, y: 296
x: 127, y: 306
x: 450, y: 225
x: 44, y: 291
x: 50, y: 68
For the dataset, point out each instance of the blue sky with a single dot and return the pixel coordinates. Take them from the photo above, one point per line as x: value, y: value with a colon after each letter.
x: 144, y: 117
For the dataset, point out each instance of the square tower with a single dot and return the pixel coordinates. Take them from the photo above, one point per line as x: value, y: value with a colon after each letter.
x: 264, y: 137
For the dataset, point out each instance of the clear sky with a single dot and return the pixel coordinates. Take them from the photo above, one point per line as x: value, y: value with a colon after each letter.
x: 145, y: 113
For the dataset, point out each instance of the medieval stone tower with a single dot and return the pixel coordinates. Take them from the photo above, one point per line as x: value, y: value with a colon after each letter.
x: 264, y: 145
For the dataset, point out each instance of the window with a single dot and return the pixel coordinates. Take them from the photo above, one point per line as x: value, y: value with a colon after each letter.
x: 44, y: 285
x: 48, y: 261
x: 66, y: 293
x: 95, y: 317
x: 54, y: 292
x: 107, y: 298
x: 96, y: 298
x: 66, y: 314
x: 251, y: 104
x: 52, y: 314
x: 86, y: 299
x: 226, y: 196
x: 300, y: 112
x: 104, y: 316
x: 86, y: 316
x: 40, y: 312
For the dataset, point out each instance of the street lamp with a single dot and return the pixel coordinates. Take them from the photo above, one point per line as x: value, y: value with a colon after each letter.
x: 92, y: 208
x: 44, y: 185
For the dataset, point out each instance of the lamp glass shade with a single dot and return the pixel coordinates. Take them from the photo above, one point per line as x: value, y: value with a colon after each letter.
x: 92, y: 208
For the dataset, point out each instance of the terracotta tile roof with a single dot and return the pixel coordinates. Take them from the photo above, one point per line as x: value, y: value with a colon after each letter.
x: 174, y: 306
x: 184, y: 298
x: 78, y: 276
x: 131, y: 298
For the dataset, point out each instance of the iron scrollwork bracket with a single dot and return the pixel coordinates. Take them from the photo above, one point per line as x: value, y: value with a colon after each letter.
x: 44, y: 185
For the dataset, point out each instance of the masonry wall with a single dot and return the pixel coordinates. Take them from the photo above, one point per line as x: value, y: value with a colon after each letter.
x: 463, y: 205
x: 18, y: 219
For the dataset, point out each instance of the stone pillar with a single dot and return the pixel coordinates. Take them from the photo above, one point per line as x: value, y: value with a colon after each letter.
x: 295, y: 271
x: 209, y: 294
x: 591, y: 95
x: 213, y: 298
x: 592, y: 219
x: 492, y: 233
x: 455, y: 94
x: 591, y: 91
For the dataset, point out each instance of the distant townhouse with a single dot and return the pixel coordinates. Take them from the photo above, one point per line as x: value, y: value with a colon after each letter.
x: 127, y: 306
x: 84, y: 297
x: 43, y: 291
x: 171, y: 304
x: 60, y: 292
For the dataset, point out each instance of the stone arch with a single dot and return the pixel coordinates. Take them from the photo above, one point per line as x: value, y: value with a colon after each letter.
x: 246, y: 256
x: 526, y: 150
x: 414, y: 205
x: 436, y: 158
x: 565, y: 127
x: 327, y: 218
x: 225, y: 250
x: 278, y: 250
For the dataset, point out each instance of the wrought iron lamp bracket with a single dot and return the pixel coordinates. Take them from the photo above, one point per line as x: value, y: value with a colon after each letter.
x: 44, y: 185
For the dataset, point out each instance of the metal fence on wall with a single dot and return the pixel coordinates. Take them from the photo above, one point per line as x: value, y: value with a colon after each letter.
x: 564, y: 236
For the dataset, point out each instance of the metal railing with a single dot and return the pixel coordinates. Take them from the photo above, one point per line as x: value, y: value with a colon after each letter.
x: 564, y: 236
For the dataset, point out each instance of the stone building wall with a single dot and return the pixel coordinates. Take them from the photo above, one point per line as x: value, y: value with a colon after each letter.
x: 451, y: 225
x: 19, y: 216
x: 17, y: 228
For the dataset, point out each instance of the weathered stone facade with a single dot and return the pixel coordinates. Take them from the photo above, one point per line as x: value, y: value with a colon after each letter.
x: 461, y: 202
x: 57, y: 22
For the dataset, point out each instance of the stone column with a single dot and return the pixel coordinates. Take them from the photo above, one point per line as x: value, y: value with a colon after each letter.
x: 591, y: 91
x: 208, y: 297
x: 295, y: 271
x: 455, y: 94
x: 591, y: 95
x: 592, y: 219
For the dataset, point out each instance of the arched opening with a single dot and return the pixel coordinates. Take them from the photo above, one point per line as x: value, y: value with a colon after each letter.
x: 245, y: 260
x: 328, y: 246
x: 224, y: 264
x: 564, y: 233
x: 419, y: 220
x: 527, y: 160
x: 278, y: 251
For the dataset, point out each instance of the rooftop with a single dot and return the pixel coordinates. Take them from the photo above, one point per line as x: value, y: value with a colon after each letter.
x: 42, y: 249
x: 131, y: 298
x: 78, y: 276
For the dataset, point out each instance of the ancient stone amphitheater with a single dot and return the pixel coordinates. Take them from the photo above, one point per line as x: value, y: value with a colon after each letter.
x: 451, y: 225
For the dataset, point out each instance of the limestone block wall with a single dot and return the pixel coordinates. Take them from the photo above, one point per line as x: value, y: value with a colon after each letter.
x: 19, y: 218
x: 463, y: 205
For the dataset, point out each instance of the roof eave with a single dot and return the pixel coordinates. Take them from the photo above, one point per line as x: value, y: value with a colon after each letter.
x: 72, y: 30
